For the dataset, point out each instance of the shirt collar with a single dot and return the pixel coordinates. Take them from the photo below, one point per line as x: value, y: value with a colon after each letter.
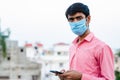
x: 87, y: 38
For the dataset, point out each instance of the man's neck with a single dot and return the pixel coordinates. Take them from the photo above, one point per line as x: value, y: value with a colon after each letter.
x: 84, y: 35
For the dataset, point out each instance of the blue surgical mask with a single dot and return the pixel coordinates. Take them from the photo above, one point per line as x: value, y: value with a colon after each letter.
x: 79, y: 28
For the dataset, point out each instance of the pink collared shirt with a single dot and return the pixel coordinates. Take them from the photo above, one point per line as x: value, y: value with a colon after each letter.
x: 93, y: 58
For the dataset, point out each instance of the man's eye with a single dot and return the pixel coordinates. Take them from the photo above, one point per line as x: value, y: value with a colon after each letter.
x: 70, y: 19
x: 78, y: 18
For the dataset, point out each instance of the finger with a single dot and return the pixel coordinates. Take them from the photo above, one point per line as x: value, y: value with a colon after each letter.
x: 56, y: 74
x: 68, y: 79
x: 63, y: 70
x: 68, y: 71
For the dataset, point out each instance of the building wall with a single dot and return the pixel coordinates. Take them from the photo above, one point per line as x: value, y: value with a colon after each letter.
x: 16, y: 66
x: 58, y: 59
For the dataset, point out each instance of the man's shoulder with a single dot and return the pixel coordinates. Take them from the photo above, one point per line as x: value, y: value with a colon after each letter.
x: 99, y: 42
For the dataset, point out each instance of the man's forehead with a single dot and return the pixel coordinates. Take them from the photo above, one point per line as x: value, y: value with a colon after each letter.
x: 77, y: 14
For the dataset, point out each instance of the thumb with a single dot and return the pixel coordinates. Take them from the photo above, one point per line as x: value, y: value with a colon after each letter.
x: 63, y: 70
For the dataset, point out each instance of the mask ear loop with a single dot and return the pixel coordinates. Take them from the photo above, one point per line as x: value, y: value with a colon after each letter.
x: 86, y: 22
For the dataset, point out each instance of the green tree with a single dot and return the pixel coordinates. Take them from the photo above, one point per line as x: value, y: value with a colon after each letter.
x: 3, y: 37
x: 118, y: 52
x: 117, y: 73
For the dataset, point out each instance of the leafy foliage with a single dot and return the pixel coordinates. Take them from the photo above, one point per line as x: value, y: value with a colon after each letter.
x: 3, y: 42
x: 118, y: 53
x: 3, y: 46
x: 117, y: 73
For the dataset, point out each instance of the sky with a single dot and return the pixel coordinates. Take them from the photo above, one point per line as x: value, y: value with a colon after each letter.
x: 44, y: 20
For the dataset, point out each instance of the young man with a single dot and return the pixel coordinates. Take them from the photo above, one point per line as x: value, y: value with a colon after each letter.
x: 90, y: 58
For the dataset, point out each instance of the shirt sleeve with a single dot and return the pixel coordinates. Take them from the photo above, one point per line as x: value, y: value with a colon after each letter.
x: 106, y: 62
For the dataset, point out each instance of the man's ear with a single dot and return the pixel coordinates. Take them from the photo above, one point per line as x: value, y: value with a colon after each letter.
x: 88, y: 20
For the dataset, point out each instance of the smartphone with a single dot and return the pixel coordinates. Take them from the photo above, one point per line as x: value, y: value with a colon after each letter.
x: 57, y: 72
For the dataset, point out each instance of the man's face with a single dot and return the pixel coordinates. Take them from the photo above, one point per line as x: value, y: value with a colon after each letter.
x: 77, y: 17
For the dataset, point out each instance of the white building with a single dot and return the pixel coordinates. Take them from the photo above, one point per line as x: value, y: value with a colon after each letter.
x: 33, y: 51
x: 16, y: 66
x: 56, y: 59
x: 53, y: 59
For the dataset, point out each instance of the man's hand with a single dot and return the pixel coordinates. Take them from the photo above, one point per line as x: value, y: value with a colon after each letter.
x: 59, y: 75
x: 71, y: 75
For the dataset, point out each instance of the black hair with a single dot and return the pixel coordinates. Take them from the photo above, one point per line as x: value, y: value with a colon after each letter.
x: 77, y: 7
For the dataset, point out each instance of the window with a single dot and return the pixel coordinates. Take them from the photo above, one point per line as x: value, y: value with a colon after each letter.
x: 4, y: 77
x: 36, y: 47
x: 46, y: 64
x: 47, y: 75
x: 58, y: 53
x: 19, y: 76
x: 61, y: 64
x: 21, y: 50
x: 34, y: 77
x: 8, y: 58
x: 116, y: 60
